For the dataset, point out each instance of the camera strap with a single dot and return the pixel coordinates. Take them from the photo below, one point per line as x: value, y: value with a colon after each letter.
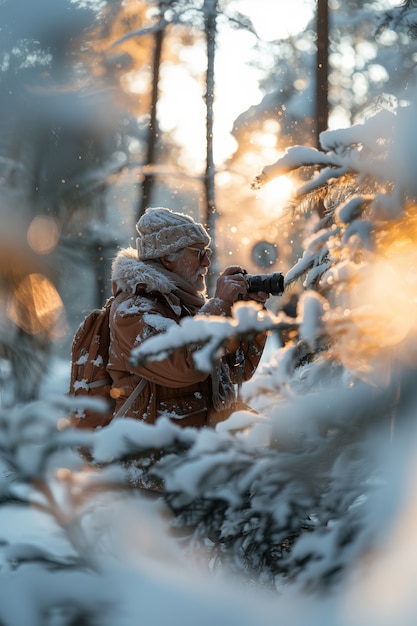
x: 240, y: 365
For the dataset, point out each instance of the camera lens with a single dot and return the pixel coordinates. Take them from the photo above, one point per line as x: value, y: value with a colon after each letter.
x: 268, y: 283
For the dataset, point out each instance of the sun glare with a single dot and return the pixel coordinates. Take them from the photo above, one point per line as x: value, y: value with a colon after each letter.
x: 384, y: 326
x: 275, y: 195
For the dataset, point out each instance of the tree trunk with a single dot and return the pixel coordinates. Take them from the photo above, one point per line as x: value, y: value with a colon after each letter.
x: 149, y: 178
x: 210, y: 12
x: 322, y: 105
x: 322, y: 72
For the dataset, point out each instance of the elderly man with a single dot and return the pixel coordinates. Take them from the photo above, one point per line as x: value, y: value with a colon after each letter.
x: 156, y: 286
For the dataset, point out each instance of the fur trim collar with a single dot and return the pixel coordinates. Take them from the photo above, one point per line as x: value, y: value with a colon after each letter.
x: 128, y: 272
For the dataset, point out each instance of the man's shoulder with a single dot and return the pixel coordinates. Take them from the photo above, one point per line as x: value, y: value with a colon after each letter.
x: 133, y: 304
x: 131, y: 275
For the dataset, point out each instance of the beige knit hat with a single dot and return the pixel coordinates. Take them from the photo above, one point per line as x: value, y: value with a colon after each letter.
x: 162, y: 231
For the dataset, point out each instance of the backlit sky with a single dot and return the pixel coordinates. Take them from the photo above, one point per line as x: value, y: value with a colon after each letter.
x: 181, y: 107
x: 236, y: 82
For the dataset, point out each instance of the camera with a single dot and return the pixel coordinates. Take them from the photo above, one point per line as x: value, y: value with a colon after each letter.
x: 269, y: 283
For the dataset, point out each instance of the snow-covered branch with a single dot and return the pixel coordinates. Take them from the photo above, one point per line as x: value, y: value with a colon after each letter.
x: 209, y: 334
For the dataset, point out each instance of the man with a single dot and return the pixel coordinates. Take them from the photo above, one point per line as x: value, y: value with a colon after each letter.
x: 156, y: 286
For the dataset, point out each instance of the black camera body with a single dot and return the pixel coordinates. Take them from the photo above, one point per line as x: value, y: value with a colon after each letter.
x: 269, y: 283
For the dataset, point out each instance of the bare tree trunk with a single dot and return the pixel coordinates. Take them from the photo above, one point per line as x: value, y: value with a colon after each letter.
x: 322, y: 105
x: 149, y: 178
x: 322, y: 75
x: 210, y: 13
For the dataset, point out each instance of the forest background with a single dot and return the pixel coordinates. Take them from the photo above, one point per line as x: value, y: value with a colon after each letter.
x: 304, y: 513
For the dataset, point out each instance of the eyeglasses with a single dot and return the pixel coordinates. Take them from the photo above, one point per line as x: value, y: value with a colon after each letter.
x: 202, y: 253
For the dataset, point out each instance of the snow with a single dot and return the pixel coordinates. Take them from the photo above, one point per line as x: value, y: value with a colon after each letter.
x: 121, y: 433
x: 114, y: 554
x: 312, y: 309
x: 195, y: 330
x: 296, y: 156
x: 79, y: 545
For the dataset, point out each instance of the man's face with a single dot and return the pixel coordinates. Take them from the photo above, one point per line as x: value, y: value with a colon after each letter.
x: 193, y: 266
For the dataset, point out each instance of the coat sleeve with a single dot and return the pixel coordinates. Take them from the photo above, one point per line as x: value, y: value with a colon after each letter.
x: 243, y: 353
x: 243, y: 359
x: 130, y: 326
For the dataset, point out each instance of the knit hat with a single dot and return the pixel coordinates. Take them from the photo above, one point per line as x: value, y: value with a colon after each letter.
x: 162, y: 231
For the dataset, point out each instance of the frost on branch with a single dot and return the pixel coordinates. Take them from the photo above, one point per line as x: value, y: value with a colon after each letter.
x: 294, y: 158
x: 209, y: 335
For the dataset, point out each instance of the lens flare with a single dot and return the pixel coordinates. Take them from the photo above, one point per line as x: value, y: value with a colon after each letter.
x: 384, y: 304
x: 36, y: 307
x: 43, y: 234
x: 382, y: 321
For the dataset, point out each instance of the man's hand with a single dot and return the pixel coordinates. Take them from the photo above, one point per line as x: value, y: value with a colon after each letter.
x: 258, y: 296
x: 231, y: 284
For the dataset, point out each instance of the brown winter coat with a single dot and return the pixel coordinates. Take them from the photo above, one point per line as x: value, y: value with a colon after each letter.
x: 145, y: 305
